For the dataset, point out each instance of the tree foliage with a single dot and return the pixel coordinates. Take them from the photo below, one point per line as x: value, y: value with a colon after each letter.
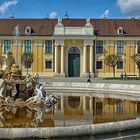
x: 27, y: 59
x: 112, y: 60
x: 136, y: 59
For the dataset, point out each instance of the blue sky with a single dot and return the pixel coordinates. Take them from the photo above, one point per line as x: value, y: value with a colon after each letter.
x: 74, y: 8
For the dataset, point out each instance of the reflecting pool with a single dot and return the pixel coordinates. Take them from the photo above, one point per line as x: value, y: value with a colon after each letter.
x: 70, y: 111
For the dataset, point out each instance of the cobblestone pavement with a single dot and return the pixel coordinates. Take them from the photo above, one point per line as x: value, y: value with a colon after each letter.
x: 93, y: 80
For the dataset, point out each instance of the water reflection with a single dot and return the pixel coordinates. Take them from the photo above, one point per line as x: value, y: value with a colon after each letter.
x: 70, y: 111
x: 24, y: 117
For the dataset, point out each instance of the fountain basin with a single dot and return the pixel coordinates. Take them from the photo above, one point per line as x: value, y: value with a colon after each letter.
x: 11, y: 133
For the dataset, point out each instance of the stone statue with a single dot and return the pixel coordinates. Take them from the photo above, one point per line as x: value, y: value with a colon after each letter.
x: 59, y: 23
x: 14, y: 88
x: 9, y: 60
x: 88, y: 23
x: 2, y: 86
x: 14, y: 72
x: 16, y: 30
x: 38, y: 94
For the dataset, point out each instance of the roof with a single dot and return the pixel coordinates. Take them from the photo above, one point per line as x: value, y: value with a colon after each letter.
x: 46, y: 26
x: 38, y: 26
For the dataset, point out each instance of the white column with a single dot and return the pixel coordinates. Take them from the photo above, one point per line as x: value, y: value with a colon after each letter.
x: 56, y: 59
x: 84, y: 102
x: 91, y: 59
x: 91, y: 103
x: 62, y: 59
x: 84, y: 59
x: 136, y: 51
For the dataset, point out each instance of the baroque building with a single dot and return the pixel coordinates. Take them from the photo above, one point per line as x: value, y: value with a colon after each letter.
x: 71, y: 47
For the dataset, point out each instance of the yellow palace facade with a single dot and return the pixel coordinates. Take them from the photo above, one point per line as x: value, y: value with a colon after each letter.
x: 71, y: 47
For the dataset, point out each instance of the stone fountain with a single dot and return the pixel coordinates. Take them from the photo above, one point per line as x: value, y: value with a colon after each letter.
x: 17, y: 90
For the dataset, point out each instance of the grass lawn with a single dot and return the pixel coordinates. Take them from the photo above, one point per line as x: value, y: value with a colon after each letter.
x: 136, y: 138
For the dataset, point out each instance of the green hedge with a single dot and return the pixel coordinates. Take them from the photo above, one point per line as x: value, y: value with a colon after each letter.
x: 111, y: 78
x: 118, y: 78
x: 136, y: 138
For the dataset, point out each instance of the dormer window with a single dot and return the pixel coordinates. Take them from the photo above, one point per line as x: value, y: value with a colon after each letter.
x: 28, y: 30
x: 120, y: 31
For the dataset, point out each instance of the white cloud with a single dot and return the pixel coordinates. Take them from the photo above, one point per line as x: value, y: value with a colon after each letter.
x: 129, y: 6
x: 53, y: 14
x: 105, y: 14
x: 4, y: 6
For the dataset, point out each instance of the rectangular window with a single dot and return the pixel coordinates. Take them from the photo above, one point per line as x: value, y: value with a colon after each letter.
x: 99, y: 47
x: 99, y: 64
x: 120, y: 47
x: 27, y: 44
x: 48, y: 46
x: 138, y: 46
x: 48, y: 64
x: 7, y: 46
x: 120, y: 65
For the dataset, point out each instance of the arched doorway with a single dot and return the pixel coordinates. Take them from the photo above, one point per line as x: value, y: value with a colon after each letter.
x: 74, y: 62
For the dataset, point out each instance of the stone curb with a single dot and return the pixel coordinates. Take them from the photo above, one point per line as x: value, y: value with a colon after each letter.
x: 123, y: 91
x: 11, y: 133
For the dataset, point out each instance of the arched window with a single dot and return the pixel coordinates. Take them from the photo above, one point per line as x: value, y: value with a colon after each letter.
x: 28, y: 30
x: 120, y: 31
x: 74, y: 50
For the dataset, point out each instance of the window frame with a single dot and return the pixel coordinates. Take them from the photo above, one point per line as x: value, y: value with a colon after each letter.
x: 120, y: 47
x: 26, y: 49
x: 48, y: 47
x: 49, y: 64
x: 97, y: 66
x: 120, y: 31
x: 121, y: 64
x: 7, y: 44
x: 99, y: 47
x: 28, y: 30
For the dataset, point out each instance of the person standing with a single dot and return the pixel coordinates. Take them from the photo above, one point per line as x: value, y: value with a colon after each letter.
x: 121, y: 76
x: 88, y: 77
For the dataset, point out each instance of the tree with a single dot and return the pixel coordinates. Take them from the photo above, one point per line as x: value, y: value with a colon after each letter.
x: 27, y: 60
x: 112, y: 60
x: 136, y: 59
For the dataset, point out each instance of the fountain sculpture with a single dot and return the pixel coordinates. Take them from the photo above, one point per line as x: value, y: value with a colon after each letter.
x: 15, y: 88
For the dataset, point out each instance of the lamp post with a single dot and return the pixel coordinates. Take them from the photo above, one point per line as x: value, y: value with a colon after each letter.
x: 16, y: 42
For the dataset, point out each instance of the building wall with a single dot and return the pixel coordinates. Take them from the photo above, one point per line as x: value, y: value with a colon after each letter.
x: 110, y: 47
x: 68, y: 43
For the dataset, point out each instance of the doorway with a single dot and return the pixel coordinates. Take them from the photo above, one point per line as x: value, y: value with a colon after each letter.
x: 74, y: 62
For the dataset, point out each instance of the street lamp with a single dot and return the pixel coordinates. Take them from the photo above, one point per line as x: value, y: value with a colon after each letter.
x: 16, y: 42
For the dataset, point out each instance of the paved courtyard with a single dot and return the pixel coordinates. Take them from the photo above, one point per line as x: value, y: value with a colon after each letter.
x: 83, y: 80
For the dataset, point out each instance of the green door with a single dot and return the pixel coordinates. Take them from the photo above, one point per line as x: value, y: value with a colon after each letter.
x: 74, y: 65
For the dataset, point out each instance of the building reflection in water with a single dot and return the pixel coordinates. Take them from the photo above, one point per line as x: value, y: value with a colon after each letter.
x: 70, y: 111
